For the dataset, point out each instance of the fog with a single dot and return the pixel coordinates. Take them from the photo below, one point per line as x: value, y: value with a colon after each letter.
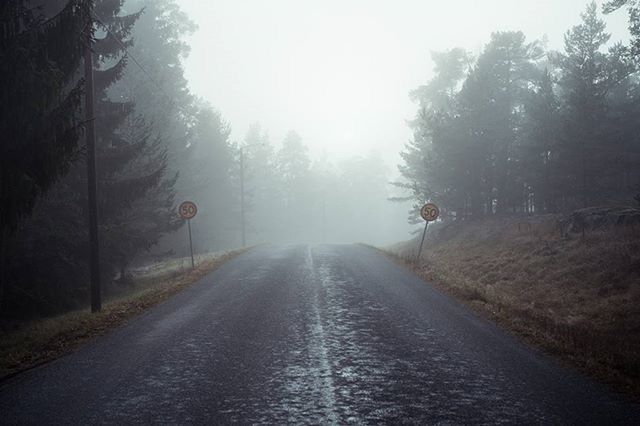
x: 209, y: 177
x: 300, y: 122
x: 339, y: 74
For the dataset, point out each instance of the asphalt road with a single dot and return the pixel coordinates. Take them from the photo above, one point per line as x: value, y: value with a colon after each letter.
x: 309, y: 334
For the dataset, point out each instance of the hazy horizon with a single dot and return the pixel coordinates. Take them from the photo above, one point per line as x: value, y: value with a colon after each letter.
x: 339, y: 73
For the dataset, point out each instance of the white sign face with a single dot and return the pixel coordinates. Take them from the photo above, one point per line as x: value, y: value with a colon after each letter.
x: 430, y: 212
x: 188, y: 210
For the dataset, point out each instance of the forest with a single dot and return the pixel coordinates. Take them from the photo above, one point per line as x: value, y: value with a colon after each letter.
x: 519, y: 129
x: 157, y: 145
x: 319, y: 212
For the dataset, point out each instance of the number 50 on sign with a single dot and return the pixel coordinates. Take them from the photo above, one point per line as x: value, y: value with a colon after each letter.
x: 430, y: 212
x: 188, y: 210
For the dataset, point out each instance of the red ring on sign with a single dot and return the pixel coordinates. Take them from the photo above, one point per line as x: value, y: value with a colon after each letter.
x: 188, y: 210
x: 430, y: 212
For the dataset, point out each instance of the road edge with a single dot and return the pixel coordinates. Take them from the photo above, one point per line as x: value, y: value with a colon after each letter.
x: 524, y: 335
x: 43, y: 341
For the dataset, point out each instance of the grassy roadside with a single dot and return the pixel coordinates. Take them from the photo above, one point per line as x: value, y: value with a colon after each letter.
x: 577, y: 299
x: 44, y: 340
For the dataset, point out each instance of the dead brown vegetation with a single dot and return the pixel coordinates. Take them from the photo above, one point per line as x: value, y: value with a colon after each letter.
x: 40, y: 341
x: 575, y: 296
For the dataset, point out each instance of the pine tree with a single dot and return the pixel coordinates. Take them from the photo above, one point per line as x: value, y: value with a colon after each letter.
x: 207, y: 181
x: 588, y: 75
x: 623, y: 139
x: 464, y: 155
x: 161, y: 91
x: 293, y: 165
x: 135, y: 191
x: 40, y: 101
x: 633, y: 8
x: 504, y: 72
x: 540, y: 146
x: 264, y: 195
x: 430, y: 164
x: 136, y: 194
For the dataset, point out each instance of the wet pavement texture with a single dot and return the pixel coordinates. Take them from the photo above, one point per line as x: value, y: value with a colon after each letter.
x: 309, y: 335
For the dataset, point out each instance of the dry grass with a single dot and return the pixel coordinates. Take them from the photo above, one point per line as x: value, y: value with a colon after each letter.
x: 44, y: 340
x: 578, y: 299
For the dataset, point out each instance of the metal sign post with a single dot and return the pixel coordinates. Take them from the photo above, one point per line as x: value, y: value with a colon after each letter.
x: 429, y: 213
x: 424, y: 234
x: 188, y: 211
x: 193, y: 264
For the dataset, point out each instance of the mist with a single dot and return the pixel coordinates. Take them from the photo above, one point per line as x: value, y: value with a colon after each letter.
x: 320, y: 212
x: 339, y: 75
x: 314, y: 122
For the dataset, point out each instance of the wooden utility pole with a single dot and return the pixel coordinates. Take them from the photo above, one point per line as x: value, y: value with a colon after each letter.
x: 94, y: 244
x: 242, y: 218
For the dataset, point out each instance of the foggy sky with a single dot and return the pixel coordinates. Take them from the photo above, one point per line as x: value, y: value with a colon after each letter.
x: 339, y: 71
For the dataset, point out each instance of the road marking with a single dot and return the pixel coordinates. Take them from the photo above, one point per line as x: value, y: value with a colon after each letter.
x: 319, y: 347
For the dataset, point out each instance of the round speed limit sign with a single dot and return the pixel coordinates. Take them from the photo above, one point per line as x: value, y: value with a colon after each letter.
x: 430, y: 212
x: 188, y: 210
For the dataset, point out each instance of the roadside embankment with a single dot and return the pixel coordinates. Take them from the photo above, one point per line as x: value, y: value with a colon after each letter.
x: 570, y: 286
x: 43, y: 340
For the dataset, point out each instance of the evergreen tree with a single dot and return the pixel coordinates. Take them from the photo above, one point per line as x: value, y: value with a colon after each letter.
x: 264, y: 196
x: 540, y: 147
x: 135, y: 192
x: 361, y: 181
x: 516, y: 136
x: 40, y: 100
x: 160, y: 92
x: 430, y: 165
x: 208, y: 181
x: 588, y: 75
x: 294, y: 168
x: 503, y: 73
x: 464, y: 155
x: 623, y: 138
x: 633, y: 8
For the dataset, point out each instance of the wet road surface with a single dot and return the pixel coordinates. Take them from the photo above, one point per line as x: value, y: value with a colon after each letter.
x: 308, y: 334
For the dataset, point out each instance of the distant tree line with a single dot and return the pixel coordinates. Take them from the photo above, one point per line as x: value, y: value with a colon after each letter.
x: 157, y: 145
x: 291, y: 198
x: 523, y: 130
